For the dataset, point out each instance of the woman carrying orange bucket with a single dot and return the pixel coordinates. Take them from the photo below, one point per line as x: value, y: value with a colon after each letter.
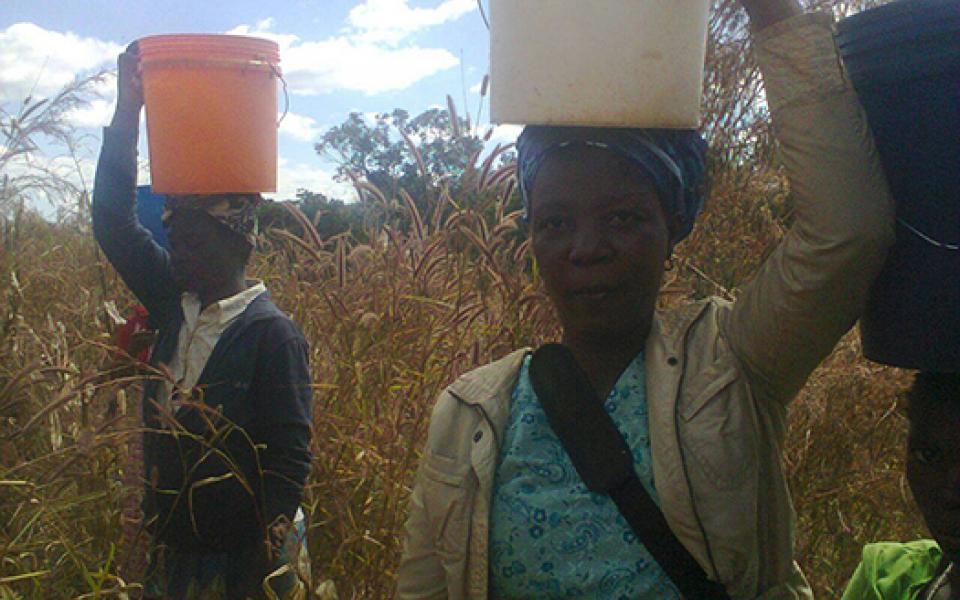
x: 228, y: 417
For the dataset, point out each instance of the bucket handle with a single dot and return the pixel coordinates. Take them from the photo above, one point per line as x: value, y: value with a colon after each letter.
x: 930, y: 240
x: 483, y: 14
x: 286, y: 93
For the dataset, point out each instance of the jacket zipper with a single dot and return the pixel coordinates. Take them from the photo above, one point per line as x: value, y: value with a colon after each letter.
x: 471, y: 500
x: 683, y: 458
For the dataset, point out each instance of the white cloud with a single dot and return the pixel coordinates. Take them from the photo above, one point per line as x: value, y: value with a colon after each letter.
x: 367, y: 56
x: 475, y: 89
x: 39, y: 61
x: 391, y: 21
x: 143, y: 172
x: 95, y: 114
x: 79, y: 172
x: 336, y: 64
x: 504, y: 134
x: 262, y: 29
x: 300, y: 127
x: 28, y: 170
x: 295, y: 176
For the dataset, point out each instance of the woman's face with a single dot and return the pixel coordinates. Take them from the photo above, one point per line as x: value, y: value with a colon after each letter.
x: 933, y: 471
x: 600, y: 238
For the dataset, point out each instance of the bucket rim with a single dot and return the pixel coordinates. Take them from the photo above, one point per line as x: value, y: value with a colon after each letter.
x: 878, y: 63
x: 891, y: 10
x: 937, y: 49
x: 892, y: 32
x: 192, y: 44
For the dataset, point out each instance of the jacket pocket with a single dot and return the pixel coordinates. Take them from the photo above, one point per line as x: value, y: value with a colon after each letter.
x: 718, y: 428
x: 706, y: 386
x: 446, y: 496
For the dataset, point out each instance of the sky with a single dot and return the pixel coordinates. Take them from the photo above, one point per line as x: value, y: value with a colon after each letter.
x: 338, y: 57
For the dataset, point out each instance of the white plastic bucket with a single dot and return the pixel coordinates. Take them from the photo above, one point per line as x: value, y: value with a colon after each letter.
x: 617, y: 63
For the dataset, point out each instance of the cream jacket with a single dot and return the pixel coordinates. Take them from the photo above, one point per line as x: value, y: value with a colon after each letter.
x: 719, y: 374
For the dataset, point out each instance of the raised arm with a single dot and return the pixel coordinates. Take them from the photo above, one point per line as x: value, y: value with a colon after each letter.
x: 130, y: 248
x: 813, y: 287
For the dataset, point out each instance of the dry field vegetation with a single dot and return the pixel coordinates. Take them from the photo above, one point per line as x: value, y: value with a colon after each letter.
x: 433, y: 294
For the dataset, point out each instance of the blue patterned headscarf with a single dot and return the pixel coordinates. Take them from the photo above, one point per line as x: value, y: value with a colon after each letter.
x: 237, y: 212
x: 674, y: 159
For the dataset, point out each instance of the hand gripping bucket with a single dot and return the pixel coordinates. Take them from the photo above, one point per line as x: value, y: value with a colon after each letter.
x: 211, y: 103
x: 904, y: 61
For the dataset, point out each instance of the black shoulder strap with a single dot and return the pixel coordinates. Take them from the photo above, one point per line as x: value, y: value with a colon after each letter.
x: 605, y: 464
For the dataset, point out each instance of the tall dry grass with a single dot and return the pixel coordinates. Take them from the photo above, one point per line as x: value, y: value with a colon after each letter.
x: 390, y: 323
x: 433, y: 294
x: 64, y: 417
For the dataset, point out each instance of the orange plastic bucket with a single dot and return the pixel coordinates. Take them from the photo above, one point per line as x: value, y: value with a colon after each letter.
x: 211, y: 104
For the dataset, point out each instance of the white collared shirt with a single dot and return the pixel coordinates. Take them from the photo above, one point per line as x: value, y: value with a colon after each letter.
x: 199, y: 334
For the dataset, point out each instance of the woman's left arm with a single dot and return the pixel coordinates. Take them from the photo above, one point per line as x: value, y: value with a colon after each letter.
x: 421, y: 575
x: 813, y: 287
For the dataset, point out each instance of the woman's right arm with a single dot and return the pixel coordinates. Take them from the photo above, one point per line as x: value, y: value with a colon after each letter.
x: 130, y: 248
x: 814, y: 285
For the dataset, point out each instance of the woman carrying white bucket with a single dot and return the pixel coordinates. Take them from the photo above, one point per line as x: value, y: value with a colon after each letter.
x: 674, y: 488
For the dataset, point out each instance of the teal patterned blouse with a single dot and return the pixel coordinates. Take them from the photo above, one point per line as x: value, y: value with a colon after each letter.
x: 549, y: 536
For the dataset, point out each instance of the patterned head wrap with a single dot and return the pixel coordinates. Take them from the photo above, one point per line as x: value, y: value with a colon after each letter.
x: 674, y: 159
x: 238, y: 212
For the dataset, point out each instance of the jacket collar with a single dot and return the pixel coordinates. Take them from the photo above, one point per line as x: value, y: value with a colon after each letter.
x: 669, y: 329
x: 490, y: 387
x: 222, y: 312
x: 260, y: 308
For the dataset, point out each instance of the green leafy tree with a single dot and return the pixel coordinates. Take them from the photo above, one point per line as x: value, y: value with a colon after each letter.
x: 330, y: 216
x: 395, y: 152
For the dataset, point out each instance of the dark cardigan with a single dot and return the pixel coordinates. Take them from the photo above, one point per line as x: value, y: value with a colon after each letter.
x: 238, y: 457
